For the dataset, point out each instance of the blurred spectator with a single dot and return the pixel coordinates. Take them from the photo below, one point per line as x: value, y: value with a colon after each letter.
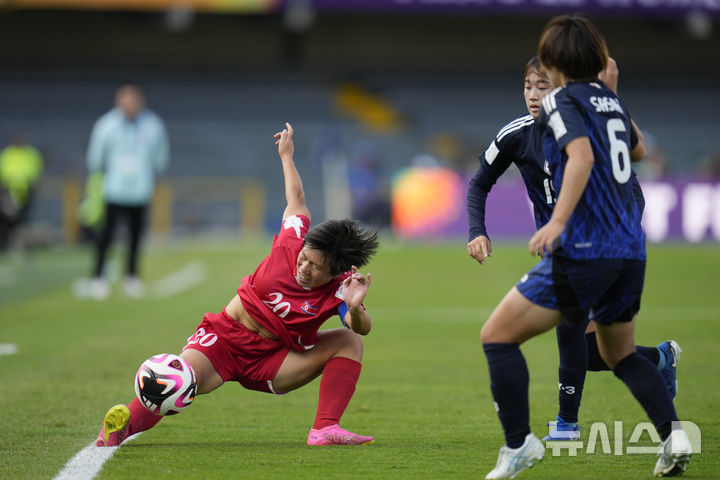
x: 20, y: 168
x: 654, y: 166
x: 129, y: 145
x: 369, y: 186
x: 92, y: 208
x: 710, y: 167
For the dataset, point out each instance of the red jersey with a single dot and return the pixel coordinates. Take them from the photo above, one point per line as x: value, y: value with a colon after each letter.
x: 272, y: 296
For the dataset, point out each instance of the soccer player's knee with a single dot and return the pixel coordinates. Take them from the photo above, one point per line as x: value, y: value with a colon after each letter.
x: 353, y: 342
x: 498, y: 330
x: 611, y: 359
x: 487, y: 333
x: 205, y: 374
x: 612, y: 355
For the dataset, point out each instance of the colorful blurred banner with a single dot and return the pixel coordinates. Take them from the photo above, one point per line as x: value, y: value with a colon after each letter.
x: 238, y: 6
x: 429, y: 203
x: 611, y: 7
x: 541, y: 7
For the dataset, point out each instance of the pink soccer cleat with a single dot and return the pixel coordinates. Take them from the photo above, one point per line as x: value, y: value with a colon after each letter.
x: 334, y: 435
x: 115, y: 427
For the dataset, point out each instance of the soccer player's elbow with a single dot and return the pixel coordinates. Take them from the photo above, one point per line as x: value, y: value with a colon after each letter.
x: 361, y: 326
x: 637, y: 153
x: 363, y: 329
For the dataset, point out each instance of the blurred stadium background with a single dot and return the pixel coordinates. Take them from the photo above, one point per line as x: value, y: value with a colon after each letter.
x: 373, y: 87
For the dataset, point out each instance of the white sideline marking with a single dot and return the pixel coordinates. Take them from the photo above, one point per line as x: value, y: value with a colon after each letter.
x: 88, y: 462
x: 8, y: 349
x: 180, y: 280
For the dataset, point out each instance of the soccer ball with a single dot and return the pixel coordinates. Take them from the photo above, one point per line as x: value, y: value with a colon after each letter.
x: 165, y: 384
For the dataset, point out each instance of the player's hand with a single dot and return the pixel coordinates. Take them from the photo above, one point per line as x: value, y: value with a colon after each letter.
x: 355, y: 288
x: 543, y: 241
x: 284, y: 141
x: 480, y: 248
x: 610, y: 75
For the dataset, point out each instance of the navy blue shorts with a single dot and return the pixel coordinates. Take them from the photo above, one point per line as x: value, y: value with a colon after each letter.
x: 603, y: 290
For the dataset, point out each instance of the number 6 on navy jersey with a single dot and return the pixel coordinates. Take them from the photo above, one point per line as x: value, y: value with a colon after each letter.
x: 618, y: 148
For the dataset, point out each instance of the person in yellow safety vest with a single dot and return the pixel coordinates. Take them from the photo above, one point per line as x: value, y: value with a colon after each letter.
x: 20, y: 168
x: 92, y: 209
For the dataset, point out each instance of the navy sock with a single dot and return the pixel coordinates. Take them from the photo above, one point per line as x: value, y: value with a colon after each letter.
x: 595, y: 360
x: 571, y: 383
x: 509, y: 381
x: 573, y: 365
x: 652, y: 354
x: 648, y: 387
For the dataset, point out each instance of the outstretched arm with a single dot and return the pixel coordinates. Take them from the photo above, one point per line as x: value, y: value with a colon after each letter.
x: 294, y: 193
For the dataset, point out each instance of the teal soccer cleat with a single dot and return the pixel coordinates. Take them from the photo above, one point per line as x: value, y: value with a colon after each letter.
x: 668, y: 369
x: 563, y: 431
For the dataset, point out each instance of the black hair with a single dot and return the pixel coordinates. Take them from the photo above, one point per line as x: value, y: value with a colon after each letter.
x: 573, y: 45
x: 343, y: 243
x: 533, y: 65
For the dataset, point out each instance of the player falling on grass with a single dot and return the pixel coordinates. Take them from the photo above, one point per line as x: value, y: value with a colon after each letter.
x: 592, y: 248
x: 520, y: 142
x: 267, y: 337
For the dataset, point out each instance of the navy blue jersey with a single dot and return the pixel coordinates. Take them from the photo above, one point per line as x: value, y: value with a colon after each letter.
x: 519, y: 142
x: 606, y: 220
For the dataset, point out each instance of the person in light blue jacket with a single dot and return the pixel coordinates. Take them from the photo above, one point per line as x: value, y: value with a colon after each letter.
x: 129, y: 145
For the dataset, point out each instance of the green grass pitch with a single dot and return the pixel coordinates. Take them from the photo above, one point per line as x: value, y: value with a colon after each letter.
x: 423, y: 392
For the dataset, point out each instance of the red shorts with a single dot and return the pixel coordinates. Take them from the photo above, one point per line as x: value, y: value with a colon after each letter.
x: 237, y: 353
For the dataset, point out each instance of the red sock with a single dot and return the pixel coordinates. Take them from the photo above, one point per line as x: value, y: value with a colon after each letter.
x: 336, y: 389
x: 140, y: 418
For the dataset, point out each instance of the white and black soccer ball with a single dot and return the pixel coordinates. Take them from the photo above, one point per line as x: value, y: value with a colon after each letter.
x: 165, y: 384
